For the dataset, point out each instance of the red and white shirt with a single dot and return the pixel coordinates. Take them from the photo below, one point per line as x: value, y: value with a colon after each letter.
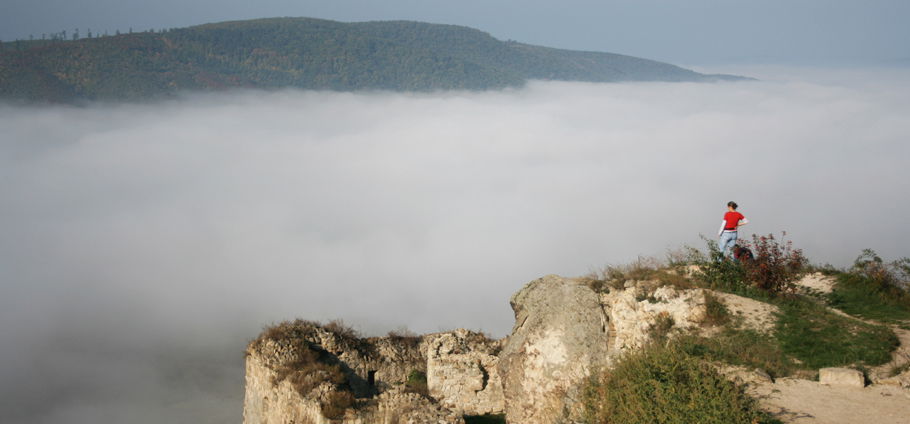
x: 731, y: 222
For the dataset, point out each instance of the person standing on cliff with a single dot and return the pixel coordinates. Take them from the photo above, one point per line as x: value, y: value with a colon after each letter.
x: 729, y: 227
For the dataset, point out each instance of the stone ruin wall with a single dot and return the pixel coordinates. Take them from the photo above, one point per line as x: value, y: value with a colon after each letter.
x: 377, y: 370
x: 462, y: 372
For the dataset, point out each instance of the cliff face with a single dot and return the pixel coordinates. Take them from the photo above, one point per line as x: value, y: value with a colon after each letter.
x: 565, y: 330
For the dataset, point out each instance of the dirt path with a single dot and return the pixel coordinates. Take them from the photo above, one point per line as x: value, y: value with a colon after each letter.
x: 900, y: 357
x: 803, y: 402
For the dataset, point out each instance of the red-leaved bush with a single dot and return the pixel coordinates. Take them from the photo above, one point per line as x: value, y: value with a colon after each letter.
x: 775, y: 265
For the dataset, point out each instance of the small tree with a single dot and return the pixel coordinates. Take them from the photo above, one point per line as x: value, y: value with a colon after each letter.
x: 885, y: 275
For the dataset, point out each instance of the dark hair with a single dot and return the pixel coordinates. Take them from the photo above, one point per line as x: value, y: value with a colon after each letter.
x: 732, y: 204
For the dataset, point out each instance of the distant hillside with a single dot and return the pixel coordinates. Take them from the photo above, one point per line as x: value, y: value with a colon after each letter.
x: 303, y: 53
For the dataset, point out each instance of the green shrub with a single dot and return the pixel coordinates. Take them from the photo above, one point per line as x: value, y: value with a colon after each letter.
x: 716, y: 272
x: 663, y: 384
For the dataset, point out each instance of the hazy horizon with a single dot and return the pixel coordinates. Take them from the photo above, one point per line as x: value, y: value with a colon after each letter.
x: 144, y: 244
x: 697, y: 32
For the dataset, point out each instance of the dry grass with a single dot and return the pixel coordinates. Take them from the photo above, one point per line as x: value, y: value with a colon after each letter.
x: 312, y: 366
x: 288, y: 332
x: 405, y: 337
x: 615, y: 277
x: 340, y: 329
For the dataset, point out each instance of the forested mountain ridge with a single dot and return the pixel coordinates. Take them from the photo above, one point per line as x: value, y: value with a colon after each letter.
x: 304, y: 53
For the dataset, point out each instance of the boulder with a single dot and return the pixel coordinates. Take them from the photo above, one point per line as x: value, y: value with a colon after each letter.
x: 560, y: 336
x: 841, y: 377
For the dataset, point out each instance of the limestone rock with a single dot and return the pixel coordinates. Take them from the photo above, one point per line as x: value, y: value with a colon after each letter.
x: 560, y: 336
x: 634, y: 311
x: 462, y: 372
x: 841, y: 377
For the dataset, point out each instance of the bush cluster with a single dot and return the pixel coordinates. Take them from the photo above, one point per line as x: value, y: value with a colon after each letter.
x: 663, y: 384
x: 715, y: 271
x: 775, y: 265
x: 889, y: 277
x: 874, y: 289
x: 772, y: 270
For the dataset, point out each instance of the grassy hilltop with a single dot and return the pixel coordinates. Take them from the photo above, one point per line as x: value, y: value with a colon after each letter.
x: 303, y: 53
x: 825, y: 317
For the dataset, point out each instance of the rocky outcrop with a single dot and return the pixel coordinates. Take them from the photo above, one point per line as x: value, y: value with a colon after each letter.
x: 565, y: 330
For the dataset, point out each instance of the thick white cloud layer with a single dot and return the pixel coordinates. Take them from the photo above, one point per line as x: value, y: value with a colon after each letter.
x: 143, y: 244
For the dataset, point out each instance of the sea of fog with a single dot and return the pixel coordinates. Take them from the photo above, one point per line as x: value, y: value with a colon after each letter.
x: 142, y: 245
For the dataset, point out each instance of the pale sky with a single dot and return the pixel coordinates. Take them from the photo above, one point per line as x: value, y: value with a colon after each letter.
x: 693, y: 32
